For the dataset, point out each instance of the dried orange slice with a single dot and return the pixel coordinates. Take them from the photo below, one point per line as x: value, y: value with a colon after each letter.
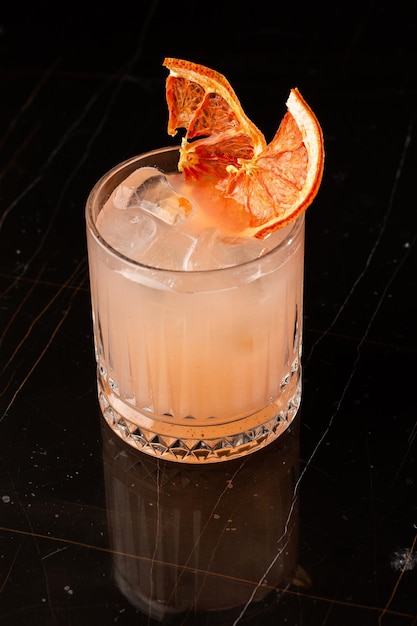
x: 274, y: 183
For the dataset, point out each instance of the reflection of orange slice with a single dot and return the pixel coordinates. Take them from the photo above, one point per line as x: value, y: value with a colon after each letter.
x: 274, y: 183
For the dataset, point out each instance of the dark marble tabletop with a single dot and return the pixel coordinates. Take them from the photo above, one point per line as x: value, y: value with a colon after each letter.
x: 82, y: 88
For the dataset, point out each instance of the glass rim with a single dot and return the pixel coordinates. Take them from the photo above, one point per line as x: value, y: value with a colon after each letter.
x: 92, y: 199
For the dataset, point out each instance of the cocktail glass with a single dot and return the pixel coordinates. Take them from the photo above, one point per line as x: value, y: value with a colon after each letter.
x: 195, y: 366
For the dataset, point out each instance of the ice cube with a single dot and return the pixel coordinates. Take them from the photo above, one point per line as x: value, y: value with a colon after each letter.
x: 129, y: 231
x: 147, y: 188
x: 140, y: 220
x: 170, y: 249
x: 215, y: 250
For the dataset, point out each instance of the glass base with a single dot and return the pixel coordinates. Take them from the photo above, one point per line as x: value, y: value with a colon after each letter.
x: 185, y: 444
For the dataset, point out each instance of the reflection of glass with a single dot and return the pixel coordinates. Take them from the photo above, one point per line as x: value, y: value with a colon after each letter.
x: 203, y: 544
x: 196, y: 366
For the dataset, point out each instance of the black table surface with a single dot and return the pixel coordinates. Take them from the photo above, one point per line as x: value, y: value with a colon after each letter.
x: 83, y: 88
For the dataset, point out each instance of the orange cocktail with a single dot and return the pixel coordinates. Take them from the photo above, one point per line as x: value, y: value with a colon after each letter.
x: 197, y: 300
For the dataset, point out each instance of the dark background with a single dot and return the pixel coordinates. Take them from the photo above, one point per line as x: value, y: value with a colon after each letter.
x: 82, y: 88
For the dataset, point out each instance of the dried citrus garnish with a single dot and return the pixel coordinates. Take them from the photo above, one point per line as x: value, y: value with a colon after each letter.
x: 274, y: 183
